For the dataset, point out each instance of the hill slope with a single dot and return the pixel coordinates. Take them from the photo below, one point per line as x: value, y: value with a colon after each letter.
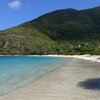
x: 67, y: 31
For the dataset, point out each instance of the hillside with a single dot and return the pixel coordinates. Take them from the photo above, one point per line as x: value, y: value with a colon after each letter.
x: 67, y: 31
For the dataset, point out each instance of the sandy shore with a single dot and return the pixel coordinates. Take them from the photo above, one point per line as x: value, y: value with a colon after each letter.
x: 95, y: 58
x: 59, y: 85
x: 88, y: 57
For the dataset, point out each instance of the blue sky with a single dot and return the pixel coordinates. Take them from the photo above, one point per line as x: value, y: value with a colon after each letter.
x: 15, y: 12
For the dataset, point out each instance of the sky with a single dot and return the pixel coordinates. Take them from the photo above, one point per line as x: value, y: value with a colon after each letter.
x: 15, y: 12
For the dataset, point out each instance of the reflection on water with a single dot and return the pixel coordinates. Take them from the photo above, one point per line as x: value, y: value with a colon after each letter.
x: 92, y: 83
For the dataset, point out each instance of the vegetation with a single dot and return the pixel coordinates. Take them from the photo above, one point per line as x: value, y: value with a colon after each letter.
x: 66, y: 31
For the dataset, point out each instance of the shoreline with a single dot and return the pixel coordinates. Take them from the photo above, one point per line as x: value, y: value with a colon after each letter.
x: 95, y: 58
x: 60, y: 84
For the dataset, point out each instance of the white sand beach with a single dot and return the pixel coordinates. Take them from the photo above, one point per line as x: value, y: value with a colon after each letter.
x: 95, y: 58
x: 58, y: 85
x: 88, y: 57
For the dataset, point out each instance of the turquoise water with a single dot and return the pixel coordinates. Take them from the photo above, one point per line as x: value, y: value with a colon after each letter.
x: 16, y: 72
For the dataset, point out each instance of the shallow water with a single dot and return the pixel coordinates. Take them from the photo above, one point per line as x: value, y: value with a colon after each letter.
x: 15, y: 72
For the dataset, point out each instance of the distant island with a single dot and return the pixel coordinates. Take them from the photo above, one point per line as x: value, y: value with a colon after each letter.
x: 65, y: 32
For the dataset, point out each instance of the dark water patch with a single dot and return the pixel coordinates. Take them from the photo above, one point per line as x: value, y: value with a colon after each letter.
x: 92, y: 83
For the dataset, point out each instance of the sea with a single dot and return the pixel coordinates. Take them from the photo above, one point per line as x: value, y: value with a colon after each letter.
x: 18, y: 71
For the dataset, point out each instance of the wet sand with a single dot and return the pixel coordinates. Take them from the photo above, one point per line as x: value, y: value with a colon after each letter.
x: 62, y: 84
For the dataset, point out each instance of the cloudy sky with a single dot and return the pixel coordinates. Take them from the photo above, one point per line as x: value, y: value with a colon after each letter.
x: 15, y: 12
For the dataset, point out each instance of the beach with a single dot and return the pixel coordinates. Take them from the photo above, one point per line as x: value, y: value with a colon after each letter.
x: 95, y: 58
x: 62, y: 83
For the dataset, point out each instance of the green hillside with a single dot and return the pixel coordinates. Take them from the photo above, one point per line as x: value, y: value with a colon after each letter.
x: 67, y: 31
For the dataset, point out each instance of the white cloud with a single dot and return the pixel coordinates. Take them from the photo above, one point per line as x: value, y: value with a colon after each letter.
x: 15, y: 4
